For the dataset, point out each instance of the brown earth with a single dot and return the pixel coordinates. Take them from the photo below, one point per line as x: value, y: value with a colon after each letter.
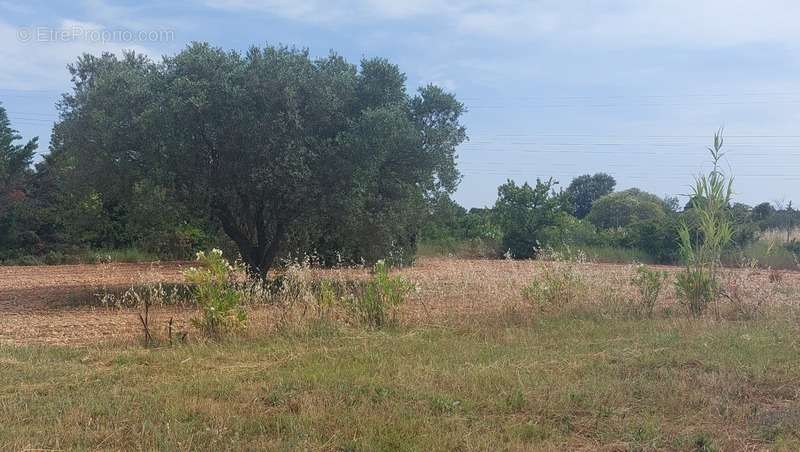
x: 59, y: 304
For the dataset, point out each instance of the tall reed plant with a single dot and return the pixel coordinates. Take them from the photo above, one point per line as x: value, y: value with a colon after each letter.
x: 701, y: 244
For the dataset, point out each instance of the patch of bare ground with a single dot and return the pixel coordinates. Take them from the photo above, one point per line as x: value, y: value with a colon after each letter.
x: 58, y: 304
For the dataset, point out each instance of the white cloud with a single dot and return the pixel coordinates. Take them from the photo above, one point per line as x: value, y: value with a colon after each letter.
x: 141, y: 17
x: 627, y: 23
x: 345, y: 11
x: 16, y: 7
x: 32, y: 64
x: 708, y: 23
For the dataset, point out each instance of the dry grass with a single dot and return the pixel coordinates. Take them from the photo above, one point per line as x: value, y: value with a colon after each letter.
x: 780, y: 235
x: 59, y: 305
x: 556, y: 382
x: 472, y: 366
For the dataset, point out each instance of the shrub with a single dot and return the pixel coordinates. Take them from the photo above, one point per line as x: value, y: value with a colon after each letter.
x: 377, y: 302
x: 696, y: 288
x: 216, y: 295
x: 649, y: 283
x: 559, y: 284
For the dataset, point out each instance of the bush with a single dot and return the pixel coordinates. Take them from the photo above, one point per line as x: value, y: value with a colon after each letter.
x: 215, y: 292
x: 657, y: 238
x: 696, y: 288
x: 649, y: 282
x: 559, y: 284
x: 377, y: 303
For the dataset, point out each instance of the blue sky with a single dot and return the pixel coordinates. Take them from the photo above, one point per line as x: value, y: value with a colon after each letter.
x: 558, y: 88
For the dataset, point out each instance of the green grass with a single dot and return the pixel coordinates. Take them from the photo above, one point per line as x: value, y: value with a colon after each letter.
x: 776, y: 256
x: 607, y: 254
x: 561, y: 382
x: 83, y: 257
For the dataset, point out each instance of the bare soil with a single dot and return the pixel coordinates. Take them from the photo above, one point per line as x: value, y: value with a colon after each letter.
x: 58, y: 304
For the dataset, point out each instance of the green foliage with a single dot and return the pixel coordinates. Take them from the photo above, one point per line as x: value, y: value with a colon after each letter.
x: 523, y: 212
x: 449, y: 229
x: 376, y: 304
x: 610, y: 254
x: 702, y: 246
x: 620, y: 209
x: 762, y: 212
x: 696, y: 288
x: 658, y: 237
x: 765, y: 254
x: 216, y: 295
x: 584, y: 190
x: 15, y: 178
x: 285, y: 153
x: 649, y: 284
x: 784, y: 219
x: 559, y: 284
x: 568, y: 231
x: 15, y: 159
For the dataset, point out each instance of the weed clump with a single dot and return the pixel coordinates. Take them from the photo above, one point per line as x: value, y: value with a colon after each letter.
x: 559, y: 284
x: 376, y: 304
x: 649, y: 284
x: 372, y: 302
x: 214, y: 289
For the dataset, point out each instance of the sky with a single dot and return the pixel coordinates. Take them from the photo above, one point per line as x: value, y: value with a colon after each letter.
x: 554, y: 88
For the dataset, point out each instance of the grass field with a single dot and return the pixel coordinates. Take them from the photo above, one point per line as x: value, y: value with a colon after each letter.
x: 468, y: 368
x: 552, y: 383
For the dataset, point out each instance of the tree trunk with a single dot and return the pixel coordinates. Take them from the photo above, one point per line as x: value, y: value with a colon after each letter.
x: 259, y: 254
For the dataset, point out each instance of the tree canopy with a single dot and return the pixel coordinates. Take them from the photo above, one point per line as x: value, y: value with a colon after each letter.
x: 585, y: 190
x: 285, y: 152
x: 623, y: 208
x: 524, y: 212
x: 15, y: 170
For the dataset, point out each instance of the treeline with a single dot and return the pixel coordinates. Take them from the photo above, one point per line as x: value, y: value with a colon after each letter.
x: 588, y: 216
x: 271, y: 154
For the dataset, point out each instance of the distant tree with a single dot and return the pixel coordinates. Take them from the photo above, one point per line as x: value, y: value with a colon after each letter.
x: 15, y: 174
x: 15, y: 159
x: 671, y: 203
x: 622, y: 208
x: 787, y: 219
x: 524, y: 212
x: 744, y: 227
x: 285, y: 152
x: 444, y: 220
x: 585, y: 190
x: 762, y: 212
x: 658, y: 237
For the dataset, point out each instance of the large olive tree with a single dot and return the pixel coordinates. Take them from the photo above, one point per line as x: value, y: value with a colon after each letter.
x: 282, y: 150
